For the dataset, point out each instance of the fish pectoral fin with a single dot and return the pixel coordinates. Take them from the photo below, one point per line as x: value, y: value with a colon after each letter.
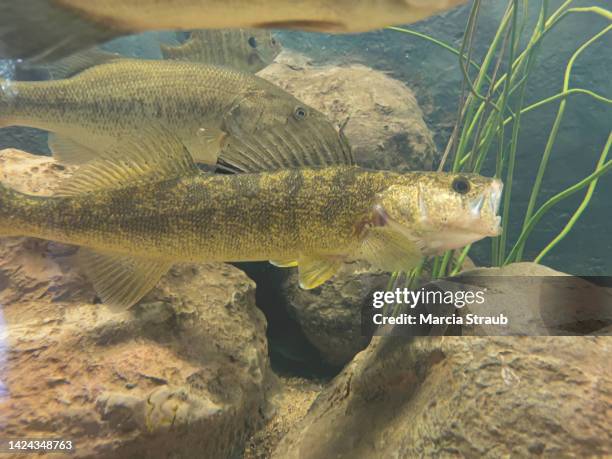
x: 69, y: 151
x: 121, y: 281
x: 284, y: 263
x: 206, y: 144
x: 388, y: 250
x: 315, y: 271
x: 154, y: 158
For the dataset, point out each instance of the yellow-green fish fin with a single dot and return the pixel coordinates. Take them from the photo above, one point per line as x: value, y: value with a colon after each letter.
x: 389, y: 250
x: 315, y: 271
x: 121, y: 281
x: 284, y: 147
x: 69, y: 151
x: 285, y: 263
x: 155, y: 158
x: 76, y: 63
x: 205, y: 145
x: 44, y: 31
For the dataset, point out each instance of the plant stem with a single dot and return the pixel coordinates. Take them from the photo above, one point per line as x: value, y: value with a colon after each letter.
x: 553, y: 133
x: 581, y: 208
x: 605, y: 168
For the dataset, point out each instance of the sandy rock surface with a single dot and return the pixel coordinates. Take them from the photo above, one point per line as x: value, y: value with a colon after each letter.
x: 469, y: 396
x: 182, y: 374
x: 385, y: 124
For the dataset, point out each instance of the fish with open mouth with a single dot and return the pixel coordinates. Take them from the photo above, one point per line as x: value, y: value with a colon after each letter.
x: 46, y: 30
x: 137, y: 211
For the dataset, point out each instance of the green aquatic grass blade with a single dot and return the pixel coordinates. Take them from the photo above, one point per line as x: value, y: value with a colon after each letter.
x: 604, y: 169
x: 535, y: 191
x: 583, y: 205
x: 492, y: 103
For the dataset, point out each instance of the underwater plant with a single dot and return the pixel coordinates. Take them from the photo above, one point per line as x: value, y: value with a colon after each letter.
x: 489, y: 117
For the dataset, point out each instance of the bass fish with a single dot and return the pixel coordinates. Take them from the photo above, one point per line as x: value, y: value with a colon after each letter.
x: 51, y: 29
x: 249, y: 50
x: 138, y: 211
x: 205, y: 106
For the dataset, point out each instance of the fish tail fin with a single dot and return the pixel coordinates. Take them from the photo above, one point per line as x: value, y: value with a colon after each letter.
x: 44, y: 31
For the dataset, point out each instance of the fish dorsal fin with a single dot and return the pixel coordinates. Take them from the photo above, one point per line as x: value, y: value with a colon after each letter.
x: 181, y: 51
x: 313, y: 271
x: 283, y: 147
x: 388, y: 250
x: 78, y: 62
x: 121, y: 281
x: 151, y: 159
x: 69, y: 151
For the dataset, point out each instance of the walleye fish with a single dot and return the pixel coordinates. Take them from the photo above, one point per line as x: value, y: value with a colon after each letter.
x: 205, y: 106
x: 51, y: 29
x: 249, y: 50
x: 137, y: 212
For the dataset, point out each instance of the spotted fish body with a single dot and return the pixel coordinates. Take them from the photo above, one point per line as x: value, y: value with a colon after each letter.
x: 249, y: 50
x: 137, y: 212
x: 50, y: 29
x: 205, y: 106
x: 213, y: 217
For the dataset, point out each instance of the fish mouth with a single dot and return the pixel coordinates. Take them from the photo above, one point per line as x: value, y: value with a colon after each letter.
x: 495, y: 202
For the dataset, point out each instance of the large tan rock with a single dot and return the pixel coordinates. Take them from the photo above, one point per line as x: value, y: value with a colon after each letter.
x: 385, y: 124
x: 466, y: 396
x: 182, y: 374
x: 469, y: 397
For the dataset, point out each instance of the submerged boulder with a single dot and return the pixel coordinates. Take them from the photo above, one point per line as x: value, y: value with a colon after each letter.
x: 330, y: 315
x: 465, y: 396
x: 380, y: 115
x: 182, y: 374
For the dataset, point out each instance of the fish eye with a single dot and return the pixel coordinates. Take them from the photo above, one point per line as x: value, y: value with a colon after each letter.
x: 273, y: 41
x: 299, y: 113
x: 461, y: 185
x: 252, y: 42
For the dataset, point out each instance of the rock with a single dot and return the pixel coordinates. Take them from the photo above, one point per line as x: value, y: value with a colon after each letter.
x: 330, y: 315
x: 385, y: 124
x: 467, y: 397
x: 182, y: 374
x: 535, y: 299
x: 291, y: 398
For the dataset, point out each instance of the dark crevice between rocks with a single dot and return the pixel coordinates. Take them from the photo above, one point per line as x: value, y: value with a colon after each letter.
x: 291, y: 354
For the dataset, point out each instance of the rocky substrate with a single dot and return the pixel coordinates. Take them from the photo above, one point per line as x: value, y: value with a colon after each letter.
x: 467, y: 397
x: 183, y: 374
